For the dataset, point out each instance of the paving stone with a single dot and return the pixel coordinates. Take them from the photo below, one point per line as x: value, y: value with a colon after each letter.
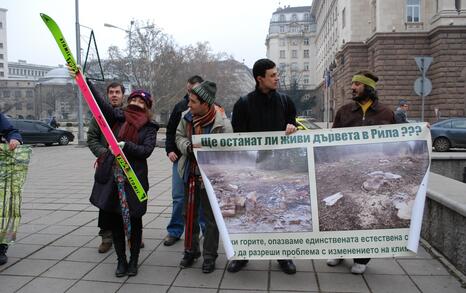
x: 29, y: 267
x: 69, y: 270
x: 87, y: 254
x: 438, y: 284
x: 194, y: 277
x: 192, y: 290
x: 94, y: 286
x: 154, y: 275
x: 338, y: 282
x: 12, y: 283
x: 301, y: 281
x: 322, y: 267
x: 302, y: 265
x: 22, y: 250
x: 164, y: 258
x: 40, y: 239
x: 105, y: 273
x: 390, y: 284
x: 46, y: 285
x: 71, y: 240
x: 384, y: 266
x: 423, y: 267
x: 143, y: 288
x: 57, y: 229
x: 257, y: 265
x: 245, y: 280
x: 53, y: 252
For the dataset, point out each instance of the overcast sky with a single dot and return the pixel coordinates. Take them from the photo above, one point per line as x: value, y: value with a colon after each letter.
x: 236, y: 27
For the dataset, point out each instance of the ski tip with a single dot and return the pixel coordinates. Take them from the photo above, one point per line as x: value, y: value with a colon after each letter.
x: 44, y: 16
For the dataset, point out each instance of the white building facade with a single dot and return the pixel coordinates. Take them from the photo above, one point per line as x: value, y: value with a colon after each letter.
x: 290, y: 44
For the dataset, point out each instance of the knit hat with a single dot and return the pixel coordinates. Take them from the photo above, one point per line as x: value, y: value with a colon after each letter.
x: 402, y: 102
x: 143, y: 95
x: 206, y: 91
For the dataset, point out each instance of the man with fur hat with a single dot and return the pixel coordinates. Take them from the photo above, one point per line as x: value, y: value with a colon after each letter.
x: 202, y: 117
x: 365, y: 110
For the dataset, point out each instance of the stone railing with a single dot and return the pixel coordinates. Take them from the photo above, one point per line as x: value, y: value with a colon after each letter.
x: 444, y: 222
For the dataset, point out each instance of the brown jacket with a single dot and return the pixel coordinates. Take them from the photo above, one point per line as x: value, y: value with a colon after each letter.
x: 351, y: 115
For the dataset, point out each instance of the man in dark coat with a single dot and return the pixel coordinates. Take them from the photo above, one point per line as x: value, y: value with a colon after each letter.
x: 364, y: 110
x: 99, y: 146
x: 401, y: 113
x: 264, y: 109
x: 12, y: 136
x: 175, y: 227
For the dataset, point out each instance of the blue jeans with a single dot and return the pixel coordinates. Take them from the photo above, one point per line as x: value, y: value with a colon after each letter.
x: 176, y: 226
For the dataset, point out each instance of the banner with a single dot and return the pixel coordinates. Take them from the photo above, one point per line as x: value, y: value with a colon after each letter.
x: 333, y: 193
x: 13, y: 171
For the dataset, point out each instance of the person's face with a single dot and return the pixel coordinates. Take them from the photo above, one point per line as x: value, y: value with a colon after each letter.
x: 115, y: 96
x: 270, y: 80
x: 196, y: 107
x: 404, y: 107
x: 189, y: 87
x: 138, y: 101
x: 357, y: 89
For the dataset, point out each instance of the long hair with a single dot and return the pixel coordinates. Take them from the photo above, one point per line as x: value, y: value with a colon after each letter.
x: 369, y: 92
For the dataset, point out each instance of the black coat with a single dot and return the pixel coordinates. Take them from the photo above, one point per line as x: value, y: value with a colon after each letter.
x: 263, y: 112
x: 175, y: 117
x: 104, y: 192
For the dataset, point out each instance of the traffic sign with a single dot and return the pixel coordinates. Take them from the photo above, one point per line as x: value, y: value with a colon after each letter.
x: 423, y: 63
x: 422, y: 86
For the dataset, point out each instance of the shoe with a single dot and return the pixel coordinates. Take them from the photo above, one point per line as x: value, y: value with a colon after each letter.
x: 132, y: 267
x: 236, y: 265
x: 105, y: 247
x: 287, y: 266
x: 334, y: 261
x: 3, y: 257
x: 358, y: 268
x: 189, y: 258
x: 208, y: 266
x: 170, y: 240
x: 122, y: 268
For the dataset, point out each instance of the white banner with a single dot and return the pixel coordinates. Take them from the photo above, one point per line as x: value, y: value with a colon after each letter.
x: 346, y: 192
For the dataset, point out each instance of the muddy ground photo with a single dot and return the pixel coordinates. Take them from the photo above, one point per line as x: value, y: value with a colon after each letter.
x: 260, y: 191
x: 369, y: 186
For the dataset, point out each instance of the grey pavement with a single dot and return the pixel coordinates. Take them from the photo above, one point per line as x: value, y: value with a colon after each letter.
x: 56, y: 247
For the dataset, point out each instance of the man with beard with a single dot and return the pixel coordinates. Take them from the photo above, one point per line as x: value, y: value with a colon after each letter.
x: 264, y: 109
x: 365, y: 110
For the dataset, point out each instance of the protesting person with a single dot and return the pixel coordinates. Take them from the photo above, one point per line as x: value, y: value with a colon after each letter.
x: 9, y: 211
x: 99, y: 146
x: 175, y: 227
x: 111, y: 192
x: 364, y: 110
x: 202, y: 117
x: 401, y: 113
x: 264, y: 109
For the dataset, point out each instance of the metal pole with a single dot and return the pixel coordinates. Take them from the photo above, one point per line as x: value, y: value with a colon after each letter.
x: 78, y: 60
x: 422, y: 90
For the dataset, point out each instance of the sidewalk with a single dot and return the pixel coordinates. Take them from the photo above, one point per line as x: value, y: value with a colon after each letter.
x: 56, y: 248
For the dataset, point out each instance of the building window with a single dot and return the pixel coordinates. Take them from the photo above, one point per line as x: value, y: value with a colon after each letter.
x: 343, y: 18
x: 282, y: 67
x: 282, y: 42
x: 6, y: 94
x: 306, y: 79
x: 294, y: 66
x: 306, y: 66
x: 29, y: 106
x: 306, y: 27
x: 294, y: 29
x: 19, y: 106
x: 306, y: 53
x: 307, y: 16
x: 282, y: 28
x: 282, y: 54
x: 29, y: 94
x: 294, y: 17
x: 17, y: 94
x: 1, y: 56
x: 294, y: 42
x: 1, y: 45
x: 294, y: 54
x: 413, y: 10
x: 1, y: 25
x: 2, y: 74
x: 1, y: 65
x: 282, y: 17
x: 306, y: 41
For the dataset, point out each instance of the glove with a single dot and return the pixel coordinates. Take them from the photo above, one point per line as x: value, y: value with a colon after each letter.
x: 121, y: 144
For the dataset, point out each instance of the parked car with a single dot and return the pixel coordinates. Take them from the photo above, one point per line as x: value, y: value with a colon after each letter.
x: 306, y: 123
x: 35, y: 131
x: 450, y: 133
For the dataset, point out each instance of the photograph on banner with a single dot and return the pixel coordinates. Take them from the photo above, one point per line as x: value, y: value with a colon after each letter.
x: 377, y: 184
x: 260, y: 191
x: 354, y: 192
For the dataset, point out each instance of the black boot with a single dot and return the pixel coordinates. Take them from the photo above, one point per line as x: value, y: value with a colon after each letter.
x: 120, y: 249
x: 122, y: 268
x: 3, y: 257
x: 133, y: 266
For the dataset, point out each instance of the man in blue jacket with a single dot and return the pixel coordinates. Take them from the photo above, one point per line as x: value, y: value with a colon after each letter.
x: 13, y: 138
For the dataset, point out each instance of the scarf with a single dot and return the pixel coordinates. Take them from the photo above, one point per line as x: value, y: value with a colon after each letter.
x: 135, y: 118
x: 198, y: 123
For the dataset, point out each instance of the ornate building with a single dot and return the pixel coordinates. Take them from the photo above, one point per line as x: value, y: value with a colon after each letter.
x: 385, y: 39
